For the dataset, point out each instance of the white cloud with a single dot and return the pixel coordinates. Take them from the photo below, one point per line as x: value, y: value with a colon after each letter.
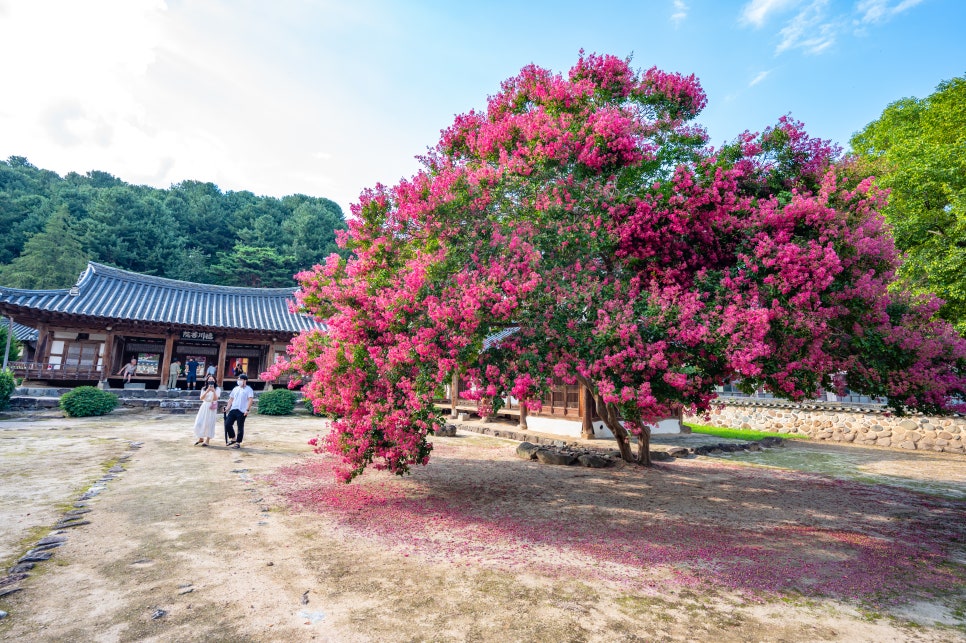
x: 756, y: 12
x: 762, y: 75
x: 876, y: 11
x: 680, y: 12
x: 814, y: 27
x: 205, y: 91
x: 810, y: 30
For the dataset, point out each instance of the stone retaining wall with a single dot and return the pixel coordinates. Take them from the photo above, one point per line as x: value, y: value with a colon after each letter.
x: 863, y: 426
x: 174, y: 402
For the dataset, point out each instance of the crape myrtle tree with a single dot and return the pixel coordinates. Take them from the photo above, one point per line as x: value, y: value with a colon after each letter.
x: 588, y: 213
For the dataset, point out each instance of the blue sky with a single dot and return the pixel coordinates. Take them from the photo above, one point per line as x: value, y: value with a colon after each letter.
x: 329, y: 97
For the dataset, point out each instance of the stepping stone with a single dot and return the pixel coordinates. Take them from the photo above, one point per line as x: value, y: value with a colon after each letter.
x: 72, y: 524
x: 13, y: 577
x: 77, y: 512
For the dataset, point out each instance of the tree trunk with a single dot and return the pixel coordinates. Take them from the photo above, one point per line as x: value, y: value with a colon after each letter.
x: 454, y: 394
x: 620, y: 434
x: 608, y: 413
x: 587, y: 421
x: 644, y: 445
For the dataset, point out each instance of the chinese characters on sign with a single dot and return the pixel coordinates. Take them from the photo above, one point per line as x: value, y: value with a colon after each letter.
x: 194, y: 334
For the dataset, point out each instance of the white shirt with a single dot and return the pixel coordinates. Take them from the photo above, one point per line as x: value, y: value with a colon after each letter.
x: 239, y: 398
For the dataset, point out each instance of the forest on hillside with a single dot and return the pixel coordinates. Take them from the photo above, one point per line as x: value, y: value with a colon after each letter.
x: 51, y: 226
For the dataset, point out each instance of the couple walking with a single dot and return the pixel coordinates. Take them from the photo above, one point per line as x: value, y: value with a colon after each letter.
x: 239, y: 404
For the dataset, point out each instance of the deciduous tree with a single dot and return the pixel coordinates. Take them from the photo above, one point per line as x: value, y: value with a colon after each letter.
x: 917, y: 150
x: 588, y: 213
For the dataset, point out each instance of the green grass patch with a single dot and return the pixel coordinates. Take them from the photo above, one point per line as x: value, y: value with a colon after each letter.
x: 743, y: 434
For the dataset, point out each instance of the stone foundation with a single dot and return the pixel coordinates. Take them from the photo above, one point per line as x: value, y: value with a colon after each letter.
x: 175, y: 402
x: 862, y: 426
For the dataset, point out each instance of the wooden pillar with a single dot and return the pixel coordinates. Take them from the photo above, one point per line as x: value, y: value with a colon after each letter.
x: 523, y: 415
x: 587, y: 422
x: 43, y: 344
x: 222, y: 357
x: 166, y: 361
x: 454, y: 394
x: 269, y: 360
x: 107, y: 366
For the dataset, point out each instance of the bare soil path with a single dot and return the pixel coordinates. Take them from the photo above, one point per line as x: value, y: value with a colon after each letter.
x: 258, y: 544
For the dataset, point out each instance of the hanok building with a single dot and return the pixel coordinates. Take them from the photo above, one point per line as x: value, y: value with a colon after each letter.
x: 85, y: 334
x: 566, y: 409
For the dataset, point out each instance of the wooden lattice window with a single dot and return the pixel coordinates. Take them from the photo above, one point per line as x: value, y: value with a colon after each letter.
x: 82, y: 354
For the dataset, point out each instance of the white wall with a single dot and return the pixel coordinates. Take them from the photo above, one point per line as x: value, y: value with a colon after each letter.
x: 571, y: 429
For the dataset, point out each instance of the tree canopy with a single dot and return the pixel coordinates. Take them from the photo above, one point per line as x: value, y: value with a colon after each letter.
x: 52, y: 258
x: 917, y: 150
x: 185, y: 232
x: 587, y: 212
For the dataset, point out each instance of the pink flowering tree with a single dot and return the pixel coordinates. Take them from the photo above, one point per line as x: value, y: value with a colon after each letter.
x: 588, y: 213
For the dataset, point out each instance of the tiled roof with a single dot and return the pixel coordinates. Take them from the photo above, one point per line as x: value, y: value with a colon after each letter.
x: 23, y: 333
x: 494, y: 340
x: 112, y: 293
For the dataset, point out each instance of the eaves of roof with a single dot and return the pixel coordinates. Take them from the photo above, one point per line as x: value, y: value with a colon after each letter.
x: 112, y: 293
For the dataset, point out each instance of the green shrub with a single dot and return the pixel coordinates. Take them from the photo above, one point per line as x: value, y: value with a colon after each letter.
x: 7, y: 385
x: 280, y: 401
x: 85, y: 401
x: 311, y: 408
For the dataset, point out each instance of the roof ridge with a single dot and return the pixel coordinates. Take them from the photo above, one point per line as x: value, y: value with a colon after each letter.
x: 138, y: 277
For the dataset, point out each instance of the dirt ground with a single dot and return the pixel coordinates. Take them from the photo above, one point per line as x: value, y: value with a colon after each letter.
x: 259, y: 544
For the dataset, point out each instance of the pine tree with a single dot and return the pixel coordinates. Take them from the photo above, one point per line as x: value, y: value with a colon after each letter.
x: 50, y: 259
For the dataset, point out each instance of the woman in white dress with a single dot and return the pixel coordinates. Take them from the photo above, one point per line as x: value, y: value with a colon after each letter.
x: 207, y: 414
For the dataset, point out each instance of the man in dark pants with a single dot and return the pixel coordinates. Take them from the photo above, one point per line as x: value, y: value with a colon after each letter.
x: 191, y: 373
x: 239, y: 404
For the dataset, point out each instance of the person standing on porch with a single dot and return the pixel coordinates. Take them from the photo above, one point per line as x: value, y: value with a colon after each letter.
x: 128, y: 370
x: 173, y: 372
x: 191, y: 372
x: 239, y: 404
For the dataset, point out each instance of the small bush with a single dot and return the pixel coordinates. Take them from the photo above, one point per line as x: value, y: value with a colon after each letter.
x: 7, y: 385
x: 280, y: 401
x: 86, y: 401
